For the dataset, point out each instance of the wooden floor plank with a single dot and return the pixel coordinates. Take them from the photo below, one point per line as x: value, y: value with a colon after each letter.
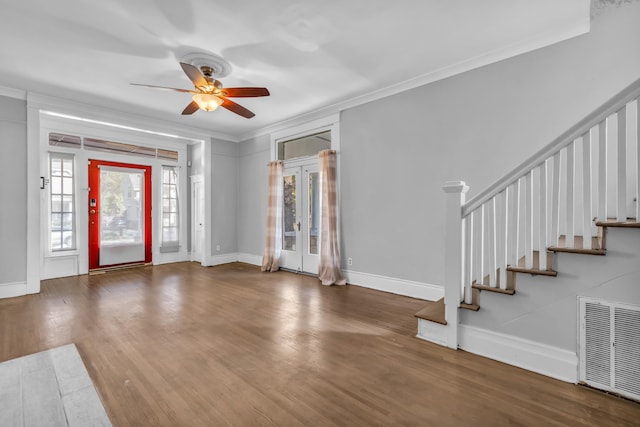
x: 181, y: 344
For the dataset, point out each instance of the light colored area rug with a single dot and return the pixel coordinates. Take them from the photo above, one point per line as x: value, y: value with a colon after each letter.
x: 50, y: 388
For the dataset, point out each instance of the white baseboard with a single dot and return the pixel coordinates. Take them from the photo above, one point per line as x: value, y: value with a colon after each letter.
x: 222, y: 259
x: 10, y: 290
x: 408, y: 288
x: 250, y: 259
x: 551, y: 361
x: 171, y: 257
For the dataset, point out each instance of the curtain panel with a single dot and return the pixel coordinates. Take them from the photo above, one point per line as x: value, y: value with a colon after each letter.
x: 329, y: 271
x: 273, y: 244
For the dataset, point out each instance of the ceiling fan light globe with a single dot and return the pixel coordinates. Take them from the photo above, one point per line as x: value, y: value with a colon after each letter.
x: 206, y: 101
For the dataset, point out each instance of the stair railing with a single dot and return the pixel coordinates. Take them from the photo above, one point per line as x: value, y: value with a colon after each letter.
x: 550, y: 200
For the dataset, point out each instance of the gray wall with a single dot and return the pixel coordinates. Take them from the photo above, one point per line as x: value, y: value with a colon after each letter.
x: 397, y: 152
x: 13, y: 188
x: 224, y: 192
x: 252, y: 198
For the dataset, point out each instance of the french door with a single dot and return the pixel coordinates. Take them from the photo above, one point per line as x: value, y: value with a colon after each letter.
x: 119, y: 214
x: 301, y: 219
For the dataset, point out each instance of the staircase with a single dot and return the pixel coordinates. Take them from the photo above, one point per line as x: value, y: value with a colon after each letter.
x: 561, y: 200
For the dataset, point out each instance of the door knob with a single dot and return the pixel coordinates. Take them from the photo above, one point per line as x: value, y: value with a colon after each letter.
x: 92, y: 211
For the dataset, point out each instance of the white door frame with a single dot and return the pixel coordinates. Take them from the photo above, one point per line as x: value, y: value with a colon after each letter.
x: 197, y: 224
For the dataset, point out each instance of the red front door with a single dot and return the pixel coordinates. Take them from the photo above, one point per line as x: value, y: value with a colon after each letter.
x: 119, y: 214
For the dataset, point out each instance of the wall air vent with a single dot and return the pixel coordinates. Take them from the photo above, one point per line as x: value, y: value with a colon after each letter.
x: 610, y: 346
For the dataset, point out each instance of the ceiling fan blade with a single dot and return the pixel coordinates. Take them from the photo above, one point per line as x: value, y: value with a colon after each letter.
x: 165, y: 88
x: 245, y: 92
x: 236, y: 108
x: 190, y: 109
x: 194, y: 75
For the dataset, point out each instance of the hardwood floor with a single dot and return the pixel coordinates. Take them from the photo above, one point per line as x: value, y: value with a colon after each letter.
x: 183, y: 345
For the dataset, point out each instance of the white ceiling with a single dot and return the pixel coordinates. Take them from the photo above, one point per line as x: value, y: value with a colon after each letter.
x: 312, y: 55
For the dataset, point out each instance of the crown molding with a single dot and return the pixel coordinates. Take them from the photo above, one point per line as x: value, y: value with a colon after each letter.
x: 13, y: 93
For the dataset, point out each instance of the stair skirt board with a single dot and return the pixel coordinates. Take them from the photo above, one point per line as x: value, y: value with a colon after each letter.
x: 543, y: 359
x: 432, y: 332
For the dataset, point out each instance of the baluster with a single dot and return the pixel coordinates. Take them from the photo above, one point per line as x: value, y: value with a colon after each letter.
x: 502, y: 229
x: 542, y: 233
x: 512, y: 224
x: 478, y: 260
x: 490, y: 245
x: 555, y: 200
x: 602, y: 170
x: 569, y: 232
x: 621, y: 212
x: 586, y: 190
x: 468, y: 258
x: 528, y: 221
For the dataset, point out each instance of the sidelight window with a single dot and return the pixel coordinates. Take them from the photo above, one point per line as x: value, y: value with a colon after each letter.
x: 170, y: 211
x: 61, y: 202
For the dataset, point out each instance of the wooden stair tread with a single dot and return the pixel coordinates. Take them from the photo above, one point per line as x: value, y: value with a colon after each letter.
x: 577, y: 250
x: 494, y: 289
x: 597, y: 247
x: 533, y: 271
x: 433, y: 311
x: 472, y: 307
x: 616, y: 223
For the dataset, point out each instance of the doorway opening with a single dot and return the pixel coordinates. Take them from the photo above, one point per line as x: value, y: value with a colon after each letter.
x: 119, y: 214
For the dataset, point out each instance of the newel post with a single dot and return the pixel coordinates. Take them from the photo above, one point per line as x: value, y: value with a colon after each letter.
x: 454, y: 257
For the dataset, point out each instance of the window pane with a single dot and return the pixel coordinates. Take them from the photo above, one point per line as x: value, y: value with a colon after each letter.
x: 303, y: 147
x: 67, y: 185
x: 56, y: 185
x: 67, y: 204
x: 289, y: 213
x: 56, y: 203
x: 56, y: 221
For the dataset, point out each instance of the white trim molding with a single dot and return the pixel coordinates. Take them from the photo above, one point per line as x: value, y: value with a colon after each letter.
x: 11, y: 290
x: 433, y: 332
x: 393, y: 285
x: 13, y: 93
x: 543, y: 359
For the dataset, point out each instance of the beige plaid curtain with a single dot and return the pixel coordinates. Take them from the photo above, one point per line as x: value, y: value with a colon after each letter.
x: 273, y: 245
x: 329, y: 271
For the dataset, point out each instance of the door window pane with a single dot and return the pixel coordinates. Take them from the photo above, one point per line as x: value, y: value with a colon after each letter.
x: 289, y: 213
x: 121, y: 207
x: 314, y: 213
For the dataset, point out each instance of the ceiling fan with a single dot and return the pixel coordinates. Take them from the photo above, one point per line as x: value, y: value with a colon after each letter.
x: 209, y: 93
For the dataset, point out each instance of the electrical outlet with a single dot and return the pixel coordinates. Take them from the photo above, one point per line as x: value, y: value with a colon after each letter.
x: 218, y: 248
x: 349, y: 261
